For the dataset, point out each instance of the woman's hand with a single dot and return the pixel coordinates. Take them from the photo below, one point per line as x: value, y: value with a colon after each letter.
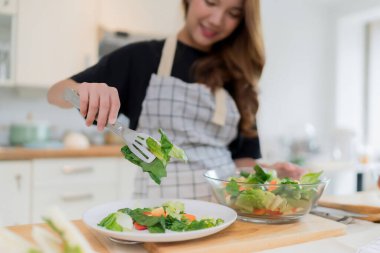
x: 285, y: 169
x: 99, y: 102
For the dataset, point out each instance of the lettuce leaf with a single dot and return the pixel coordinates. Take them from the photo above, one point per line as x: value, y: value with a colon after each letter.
x: 232, y: 188
x: 204, y: 223
x: 156, y: 169
x: 174, y: 209
x: 180, y: 225
x: 163, y: 151
x: 249, y: 199
x: 311, y: 178
x: 110, y: 223
x: 68, y: 247
x: 259, y: 177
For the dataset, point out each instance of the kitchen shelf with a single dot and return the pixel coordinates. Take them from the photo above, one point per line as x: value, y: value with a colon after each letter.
x: 28, y: 153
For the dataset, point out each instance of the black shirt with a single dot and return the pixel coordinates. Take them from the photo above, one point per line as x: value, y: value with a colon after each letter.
x: 129, y: 70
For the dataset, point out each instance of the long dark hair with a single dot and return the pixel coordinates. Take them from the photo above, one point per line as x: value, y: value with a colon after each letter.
x: 238, y: 60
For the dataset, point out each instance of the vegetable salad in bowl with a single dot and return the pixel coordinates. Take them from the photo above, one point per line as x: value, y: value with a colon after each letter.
x: 262, y: 197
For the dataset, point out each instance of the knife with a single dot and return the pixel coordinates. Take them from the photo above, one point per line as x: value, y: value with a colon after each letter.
x: 342, y: 216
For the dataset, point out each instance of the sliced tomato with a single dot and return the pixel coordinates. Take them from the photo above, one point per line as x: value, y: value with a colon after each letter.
x: 139, y: 226
x: 276, y: 212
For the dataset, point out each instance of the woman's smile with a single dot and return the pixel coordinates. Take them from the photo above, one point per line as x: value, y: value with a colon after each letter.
x: 209, y: 22
x: 208, y: 32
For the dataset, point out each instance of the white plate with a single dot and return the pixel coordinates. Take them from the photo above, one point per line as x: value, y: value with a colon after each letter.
x: 201, y: 209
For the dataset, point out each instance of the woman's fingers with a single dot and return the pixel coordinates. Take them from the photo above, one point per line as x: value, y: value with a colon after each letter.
x: 104, y: 108
x: 93, y: 108
x: 83, y: 95
x: 285, y: 169
x: 99, y: 102
x: 115, y: 106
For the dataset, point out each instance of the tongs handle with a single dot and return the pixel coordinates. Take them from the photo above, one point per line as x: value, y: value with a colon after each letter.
x: 72, y: 96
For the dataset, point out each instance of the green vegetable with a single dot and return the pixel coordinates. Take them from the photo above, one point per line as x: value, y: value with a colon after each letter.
x: 110, y: 223
x: 139, y: 216
x: 244, y: 174
x: 158, y: 228
x: 288, y: 197
x: 174, y: 219
x: 67, y: 247
x: 174, y: 209
x: 34, y: 251
x: 259, y: 177
x: 181, y: 225
x: 163, y: 150
x: 254, y: 199
x: 287, y: 180
x: 232, y: 188
x: 204, y: 223
x: 177, y: 225
x: 311, y: 178
x: 118, y: 221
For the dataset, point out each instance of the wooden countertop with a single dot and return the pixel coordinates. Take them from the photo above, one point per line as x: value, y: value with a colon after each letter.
x: 245, y: 236
x: 28, y: 153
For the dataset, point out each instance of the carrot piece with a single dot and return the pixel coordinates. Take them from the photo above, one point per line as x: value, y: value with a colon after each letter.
x: 242, y: 188
x: 190, y: 217
x: 158, y: 212
x: 276, y: 212
x: 272, y: 185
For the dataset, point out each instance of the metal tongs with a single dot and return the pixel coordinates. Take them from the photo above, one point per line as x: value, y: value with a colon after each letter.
x: 135, y: 141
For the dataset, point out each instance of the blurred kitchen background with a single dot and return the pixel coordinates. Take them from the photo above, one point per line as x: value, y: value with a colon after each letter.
x: 318, y: 105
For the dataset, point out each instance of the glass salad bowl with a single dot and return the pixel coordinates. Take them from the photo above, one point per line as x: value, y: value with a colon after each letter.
x: 261, y: 197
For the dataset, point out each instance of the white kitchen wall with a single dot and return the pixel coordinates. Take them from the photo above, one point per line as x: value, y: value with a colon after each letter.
x: 161, y: 17
x: 298, y: 79
x: 352, y: 63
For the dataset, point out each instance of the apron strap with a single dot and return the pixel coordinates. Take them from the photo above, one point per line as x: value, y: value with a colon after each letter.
x: 165, y: 69
x: 167, y: 58
x: 220, y: 112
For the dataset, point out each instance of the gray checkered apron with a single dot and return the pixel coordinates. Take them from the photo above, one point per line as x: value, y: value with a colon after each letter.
x: 195, y: 119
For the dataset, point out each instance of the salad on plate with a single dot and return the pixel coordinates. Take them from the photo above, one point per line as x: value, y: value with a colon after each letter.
x: 169, y: 216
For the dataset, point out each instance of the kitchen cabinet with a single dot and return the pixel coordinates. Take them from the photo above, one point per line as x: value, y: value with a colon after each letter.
x: 8, y: 6
x: 29, y: 188
x: 7, y: 34
x: 55, y: 39
x: 73, y: 184
x: 15, y: 195
x: 127, y: 178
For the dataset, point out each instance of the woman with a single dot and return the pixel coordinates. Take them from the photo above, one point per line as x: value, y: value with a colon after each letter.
x: 199, y: 86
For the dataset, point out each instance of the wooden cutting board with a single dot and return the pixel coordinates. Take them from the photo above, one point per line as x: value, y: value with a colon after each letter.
x: 239, y: 237
x: 247, y: 237
x: 362, y: 202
